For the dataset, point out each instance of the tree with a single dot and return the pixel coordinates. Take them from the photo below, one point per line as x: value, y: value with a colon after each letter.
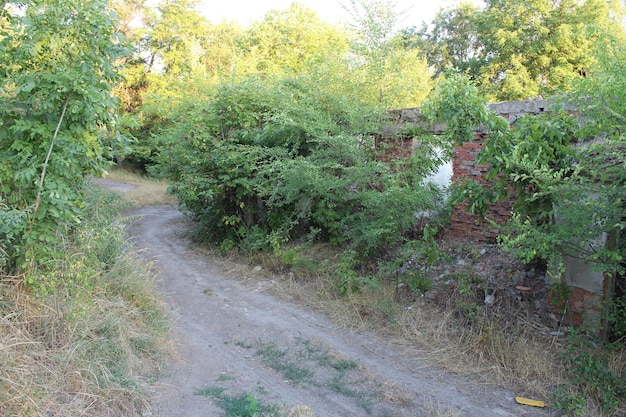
x: 388, y: 73
x: 57, y: 65
x: 515, y: 50
x: 176, y: 40
x: 451, y: 41
x: 535, y: 47
x: 287, y: 41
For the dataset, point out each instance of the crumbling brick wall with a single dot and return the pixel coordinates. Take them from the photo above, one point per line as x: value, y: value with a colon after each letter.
x: 587, y: 292
x: 463, y: 224
x: 390, y: 148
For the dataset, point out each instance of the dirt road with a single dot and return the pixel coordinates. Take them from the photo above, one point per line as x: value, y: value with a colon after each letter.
x: 234, y: 339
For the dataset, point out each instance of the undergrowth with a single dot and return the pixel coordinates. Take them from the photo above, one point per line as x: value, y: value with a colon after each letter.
x: 491, y: 343
x: 91, y: 343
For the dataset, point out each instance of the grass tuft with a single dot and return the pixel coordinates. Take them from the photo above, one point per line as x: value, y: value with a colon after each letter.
x: 247, y: 404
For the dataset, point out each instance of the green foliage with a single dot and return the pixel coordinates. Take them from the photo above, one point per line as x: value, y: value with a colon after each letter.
x: 210, y: 391
x: 390, y: 73
x: 245, y: 405
x: 566, y: 195
x: 242, y: 405
x: 288, y: 41
x: 450, y: 41
x: 349, y: 279
x: 574, y: 404
x: 617, y: 318
x: 178, y: 38
x: 11, y: 221
x: 55, y: 95
x: 417, y: 282
x: 458, y: 102
x: 517, y: 50
x: 179, y: 58
x: 600, y: 96
x: 559, y: 295
x: 423, y: 253
x: 590, y: 377
x: 266, y: 161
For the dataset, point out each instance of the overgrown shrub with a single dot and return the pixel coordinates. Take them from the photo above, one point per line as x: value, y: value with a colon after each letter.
x: 591, y: 377
x: 264, y: 162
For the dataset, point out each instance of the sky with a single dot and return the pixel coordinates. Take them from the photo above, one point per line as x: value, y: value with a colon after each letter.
x: 245, y: 11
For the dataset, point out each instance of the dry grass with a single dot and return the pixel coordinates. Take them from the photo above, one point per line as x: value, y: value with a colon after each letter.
x: 395, y: 393
x: 85, y: 353
x: 147, y: 191
x: 300, y: 411
x: 516, y: 358
x: 90, y: 347
x: 492, y: 350
x: 435, y: 409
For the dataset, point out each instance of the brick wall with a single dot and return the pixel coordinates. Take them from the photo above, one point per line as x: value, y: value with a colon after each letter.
x: 581, y: 307
x: 463, y: 224
x: 392, y: 147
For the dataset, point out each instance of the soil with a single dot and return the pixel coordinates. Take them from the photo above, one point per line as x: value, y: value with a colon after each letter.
x: 232, y: 337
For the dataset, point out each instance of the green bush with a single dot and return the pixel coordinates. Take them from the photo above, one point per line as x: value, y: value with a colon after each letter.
x: 590, y: 376
x: 264, y: 162
x: 52, y: 109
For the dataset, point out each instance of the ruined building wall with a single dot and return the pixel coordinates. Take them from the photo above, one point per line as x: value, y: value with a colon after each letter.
x: 587, y: 287
x: 465, y: 225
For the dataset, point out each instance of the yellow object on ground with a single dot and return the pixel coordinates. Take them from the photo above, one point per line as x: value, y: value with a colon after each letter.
x: 527, y: 401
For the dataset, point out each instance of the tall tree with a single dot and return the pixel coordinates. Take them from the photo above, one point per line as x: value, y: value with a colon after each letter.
x: 535, y: 47
x: 176, y: 39
x: 515, y: 50
x: 390, y: 74
x: 285, y: 41
x: 450, y: 41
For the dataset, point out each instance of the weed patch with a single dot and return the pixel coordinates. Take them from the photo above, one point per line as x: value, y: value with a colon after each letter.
x: 310, y: 363
x: 246, y: 404
x: 277, y: 359
x: 591, y: 378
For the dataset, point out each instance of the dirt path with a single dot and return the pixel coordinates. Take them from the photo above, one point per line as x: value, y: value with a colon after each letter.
x: 235, y: 339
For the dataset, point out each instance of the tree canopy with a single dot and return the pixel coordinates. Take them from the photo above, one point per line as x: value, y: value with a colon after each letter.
x: 516, y: 50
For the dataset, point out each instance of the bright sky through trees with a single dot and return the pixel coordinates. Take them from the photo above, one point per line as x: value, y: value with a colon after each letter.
x: 245, y: 11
